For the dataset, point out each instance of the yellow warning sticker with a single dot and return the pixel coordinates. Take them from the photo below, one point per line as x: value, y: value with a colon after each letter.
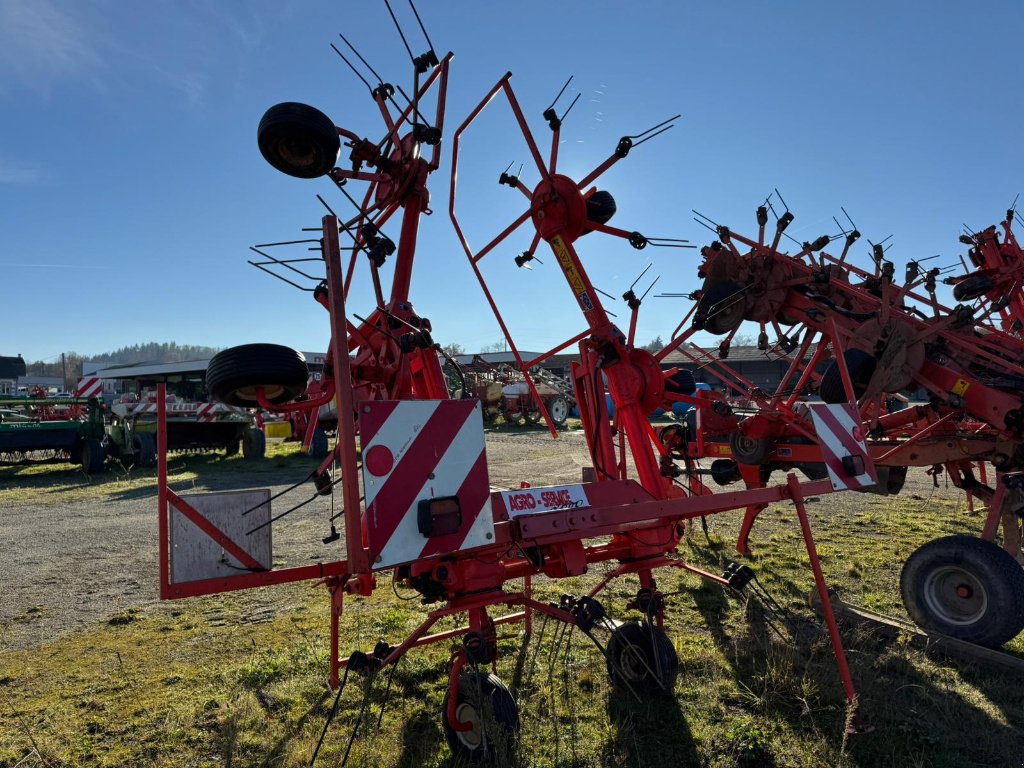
x: 565, y: 259
x: 960, y: 387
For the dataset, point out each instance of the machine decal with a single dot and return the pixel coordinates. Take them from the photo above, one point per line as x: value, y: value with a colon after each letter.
x: 525, y: 501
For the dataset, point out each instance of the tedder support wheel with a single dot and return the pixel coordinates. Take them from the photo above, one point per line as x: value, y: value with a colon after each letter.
x: 299, y: 140
x: 254, y: 443
x: 641, y: 659
x: 721, y: 308
x: 966, y: 588
x: 532, y: 417
x: 231, y: 449
x: 92, y: 456
x: 972, y: 287
x: 318, y: 448
x: 484, y: 701
x: 144, y: 446
x: 558, y: 410
x: 749, y: 450
x: 861, y: 366
x: 234, y: 374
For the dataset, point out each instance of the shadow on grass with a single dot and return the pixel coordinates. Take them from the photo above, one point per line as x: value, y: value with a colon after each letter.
x: 925, y: 711
x: 652, y: 732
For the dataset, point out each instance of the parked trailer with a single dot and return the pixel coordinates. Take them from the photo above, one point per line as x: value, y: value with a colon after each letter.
x: 200, y: 426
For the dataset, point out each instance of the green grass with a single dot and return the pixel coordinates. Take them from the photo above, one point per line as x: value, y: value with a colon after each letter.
x: 199, y: 684
x: 61, y: 483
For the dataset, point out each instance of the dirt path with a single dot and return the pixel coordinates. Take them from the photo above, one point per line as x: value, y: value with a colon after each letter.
x: 64, y: 567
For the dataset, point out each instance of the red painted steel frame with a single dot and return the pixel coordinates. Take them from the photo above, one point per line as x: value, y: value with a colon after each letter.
x: 644, y: 520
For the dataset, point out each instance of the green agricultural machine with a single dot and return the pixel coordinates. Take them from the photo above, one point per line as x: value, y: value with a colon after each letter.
x: 34, y: 429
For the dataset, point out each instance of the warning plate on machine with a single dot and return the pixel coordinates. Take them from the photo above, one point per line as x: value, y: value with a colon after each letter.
x: 526, y: 501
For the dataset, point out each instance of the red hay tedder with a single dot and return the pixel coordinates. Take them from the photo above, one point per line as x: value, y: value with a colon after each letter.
x: 410, y: 464
x: 881, y: 337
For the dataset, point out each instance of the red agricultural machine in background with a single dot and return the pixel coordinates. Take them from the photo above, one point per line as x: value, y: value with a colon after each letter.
x: 410, y: 464
x: 881, y: 337
x: 505, y: 393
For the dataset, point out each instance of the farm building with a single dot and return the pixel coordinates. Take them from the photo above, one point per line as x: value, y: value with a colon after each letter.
x: 11, y: 369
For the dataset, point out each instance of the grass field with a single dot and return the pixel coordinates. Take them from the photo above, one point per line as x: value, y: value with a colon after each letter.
x: 213, y: 682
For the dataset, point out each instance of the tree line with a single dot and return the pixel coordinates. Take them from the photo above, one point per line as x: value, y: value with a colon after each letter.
x: 150, y: 352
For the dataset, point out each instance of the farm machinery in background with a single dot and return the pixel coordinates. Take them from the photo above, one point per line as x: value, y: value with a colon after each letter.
x: 52, y: 429
x: 425, y: 510
x: 878, y: 336
x: 190, y: 426
x: 504, y: 392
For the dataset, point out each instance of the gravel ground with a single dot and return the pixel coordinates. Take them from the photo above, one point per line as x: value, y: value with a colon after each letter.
x: 65, y: 567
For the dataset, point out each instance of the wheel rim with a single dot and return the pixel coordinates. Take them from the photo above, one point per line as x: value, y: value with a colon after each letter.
x: 955, y: 595
x: 746, y: 445
x: 474, y: 738
x: 270, y: 391
x: 632, y: 664
x: 559, y: 410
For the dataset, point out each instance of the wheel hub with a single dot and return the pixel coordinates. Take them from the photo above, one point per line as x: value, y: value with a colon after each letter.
x: 473, y: 738
x: 956, y: 595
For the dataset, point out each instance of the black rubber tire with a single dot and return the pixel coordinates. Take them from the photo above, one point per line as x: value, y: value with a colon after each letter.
x: 641, y: 658
x: 558, y: 410
x: 144, y: 448
x: 532, y: 417
x: 600, y: 208
x: 717, y: 312
x: 493, y: 739
x: 681, y: 382
x: 254, y: 443
x: 298, y: 140
x: 972, y: 287
x: 319, y: 447
x: 750, y: 450
x: 234, y: 374
x: 966, y: 588
x: 861, y: 366
x: 725, y: 472
x: 92, y: 456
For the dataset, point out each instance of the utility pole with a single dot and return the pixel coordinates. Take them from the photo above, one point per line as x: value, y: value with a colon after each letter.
x: 64, y: 369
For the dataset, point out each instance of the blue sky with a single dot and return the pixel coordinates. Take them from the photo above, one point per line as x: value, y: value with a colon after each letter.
x: 131, y: 184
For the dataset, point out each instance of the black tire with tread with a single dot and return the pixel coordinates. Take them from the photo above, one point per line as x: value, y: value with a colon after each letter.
x: 934, y: 575
x: 144, y: 446
x: 861, y: 366
x: 728, y: 312
x: 254, y: 443
x: 641, y: 658
x: 92, y: 456
x: 973, y: 287
x: 234, y: 374
x: 497, y: 742
x: 750, y: 450
x: 319, y: 447
x: 298, y: 140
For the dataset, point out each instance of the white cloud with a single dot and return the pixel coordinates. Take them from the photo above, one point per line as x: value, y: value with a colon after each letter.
x: 16, y: 172
x: 41, y: 44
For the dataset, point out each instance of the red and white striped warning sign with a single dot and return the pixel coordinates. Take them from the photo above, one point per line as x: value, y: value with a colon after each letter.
x: 841, y: 439
x: 89, y: 386
x: 415, y: 451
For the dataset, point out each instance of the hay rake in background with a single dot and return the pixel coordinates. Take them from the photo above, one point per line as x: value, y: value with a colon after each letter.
x: 410, y: 465
x: 874, y: 336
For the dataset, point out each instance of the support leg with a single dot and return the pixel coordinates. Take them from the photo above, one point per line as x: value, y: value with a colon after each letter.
x: 826, y: 601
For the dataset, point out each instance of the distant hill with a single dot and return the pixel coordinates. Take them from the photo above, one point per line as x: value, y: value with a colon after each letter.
x: 150, y: 352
